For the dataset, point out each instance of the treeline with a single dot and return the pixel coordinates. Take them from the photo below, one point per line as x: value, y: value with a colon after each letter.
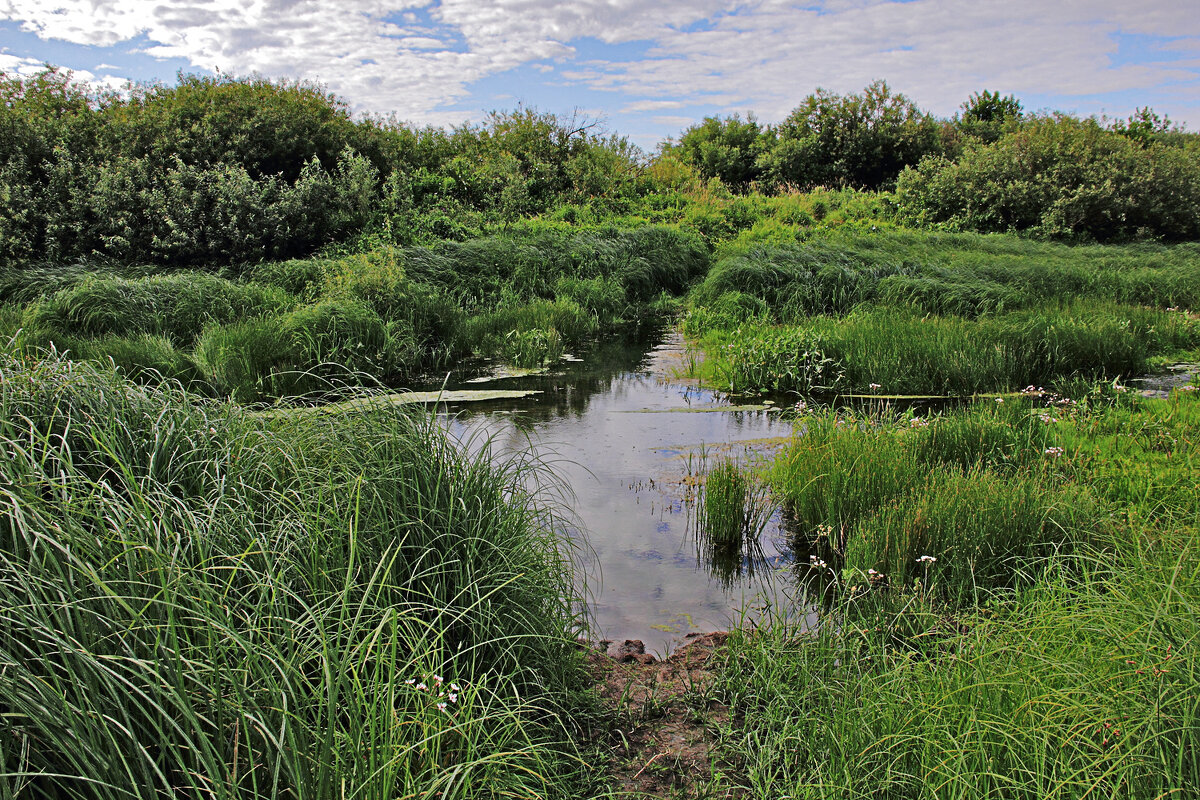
x: 218, y: 169
x: 990, y: 168
x: 221, y: 170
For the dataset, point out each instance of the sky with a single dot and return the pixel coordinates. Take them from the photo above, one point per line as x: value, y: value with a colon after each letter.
x: 646, y: 69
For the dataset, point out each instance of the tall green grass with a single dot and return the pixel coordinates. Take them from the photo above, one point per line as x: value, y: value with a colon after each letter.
x: 897, y: 351
x: 177, y: 306
x: 961, y: 274
x: 980, y: 489
x: 385, y: 315
x: 1072, y: 677
x: 731, y: 514
x: 199, y: 601
x: 1082, y: 686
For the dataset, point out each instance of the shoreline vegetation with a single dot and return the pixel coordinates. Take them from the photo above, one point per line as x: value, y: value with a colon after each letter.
x: 205, y: 593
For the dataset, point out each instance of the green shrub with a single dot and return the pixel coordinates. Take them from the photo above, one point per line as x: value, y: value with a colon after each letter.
x: 856, y: 140
x: 1059, y: 177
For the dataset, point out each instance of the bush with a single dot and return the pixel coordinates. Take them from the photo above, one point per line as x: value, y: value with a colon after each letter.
x: 727, y: 149
x: 857, y: 141
x: 1059, y: 177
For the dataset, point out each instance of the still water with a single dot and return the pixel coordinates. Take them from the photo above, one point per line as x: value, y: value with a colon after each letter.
x: 628, y: 441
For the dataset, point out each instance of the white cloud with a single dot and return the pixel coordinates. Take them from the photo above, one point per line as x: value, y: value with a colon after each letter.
x: 419, y: 57
x: 27, y: 67
x: 673, y: 121
x: 937, y: 51
x: 652, y: 105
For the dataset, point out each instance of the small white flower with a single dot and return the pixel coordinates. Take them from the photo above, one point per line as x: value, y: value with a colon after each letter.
x: 453, y: 697
x: 411, y: 681
x: 437, y: 678
x: 441, y: 706
x: 455, y: 688
x: 999, y: 399
x: 927, y: 560
x: 875, y: 386
x: 421, y: 687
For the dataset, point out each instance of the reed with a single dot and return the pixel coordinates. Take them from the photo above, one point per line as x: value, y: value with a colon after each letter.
x: 1069, y: 673
x: 201, y: 601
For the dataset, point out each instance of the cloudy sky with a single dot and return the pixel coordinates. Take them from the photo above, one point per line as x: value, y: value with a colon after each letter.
x: 649, y: 68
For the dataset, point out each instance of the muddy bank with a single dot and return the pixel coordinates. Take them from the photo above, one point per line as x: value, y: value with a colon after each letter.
x: 666, y: 716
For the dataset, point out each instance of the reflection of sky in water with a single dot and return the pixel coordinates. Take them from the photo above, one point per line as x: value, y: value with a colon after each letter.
x: 594, y: 427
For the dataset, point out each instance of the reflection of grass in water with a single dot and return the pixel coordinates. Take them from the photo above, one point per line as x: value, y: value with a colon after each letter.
x: 732, y: 511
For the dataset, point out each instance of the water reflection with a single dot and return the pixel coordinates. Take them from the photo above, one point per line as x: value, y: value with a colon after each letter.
x: 628, y: 443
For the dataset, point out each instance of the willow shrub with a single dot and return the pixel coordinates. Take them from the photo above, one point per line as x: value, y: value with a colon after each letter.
x: 1059, y: 177
x: 198, y: 600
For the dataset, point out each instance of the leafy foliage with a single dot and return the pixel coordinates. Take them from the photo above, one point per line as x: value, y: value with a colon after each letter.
x: 858, y: 140
x: 727, y: 149
x: 1059, y: 177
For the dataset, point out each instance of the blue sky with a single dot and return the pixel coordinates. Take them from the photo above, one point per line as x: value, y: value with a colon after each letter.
x: 646, y: 69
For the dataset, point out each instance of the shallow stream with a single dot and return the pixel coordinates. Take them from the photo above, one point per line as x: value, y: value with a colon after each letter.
x: 629, y: 441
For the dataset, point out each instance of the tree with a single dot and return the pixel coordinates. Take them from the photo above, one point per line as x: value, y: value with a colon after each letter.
x: 1143, y: 126
x: 857, y: 140
x: 986, y: 115
x: 727, y: 149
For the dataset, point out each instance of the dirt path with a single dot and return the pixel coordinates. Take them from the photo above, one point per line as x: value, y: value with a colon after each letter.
x: 666, y: 717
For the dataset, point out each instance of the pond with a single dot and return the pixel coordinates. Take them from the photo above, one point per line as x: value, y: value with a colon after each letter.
x: 629, y: 442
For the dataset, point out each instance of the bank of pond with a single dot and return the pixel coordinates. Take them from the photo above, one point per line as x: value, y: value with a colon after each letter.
x: 233, y: 564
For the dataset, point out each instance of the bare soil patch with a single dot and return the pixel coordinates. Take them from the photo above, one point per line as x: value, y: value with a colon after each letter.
x: 666, y: 717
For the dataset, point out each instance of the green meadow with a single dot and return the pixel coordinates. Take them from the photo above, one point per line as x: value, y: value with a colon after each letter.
x: 205, y: 595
